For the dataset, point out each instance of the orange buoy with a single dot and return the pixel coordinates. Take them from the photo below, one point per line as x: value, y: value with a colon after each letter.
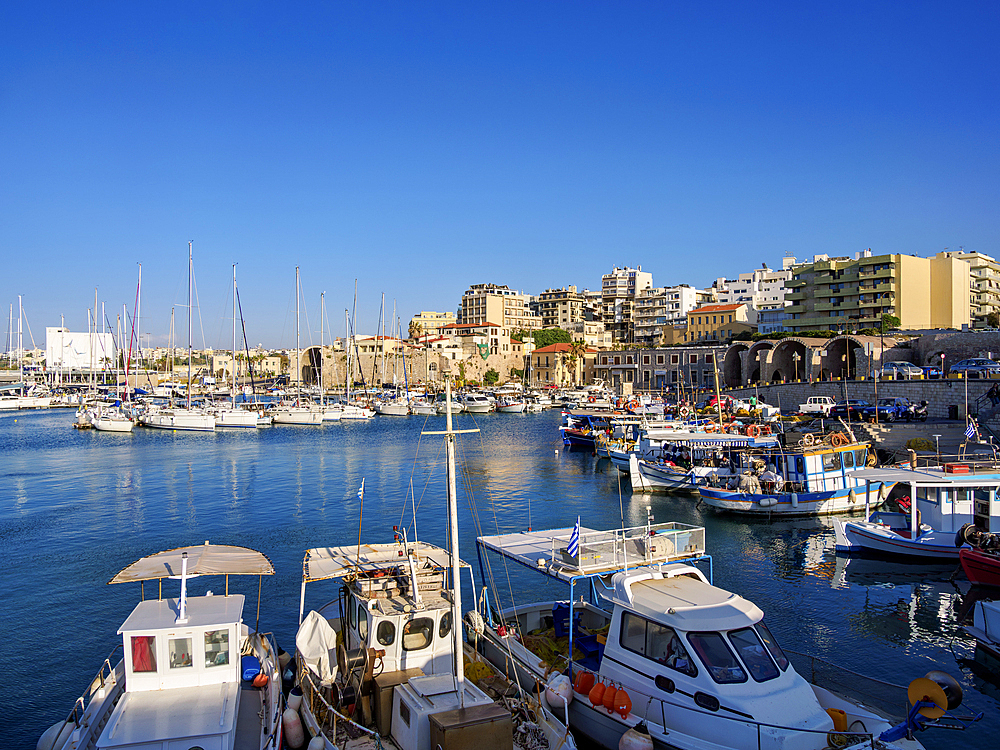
x: 597, y: 694
x: 609, y: 698
x: 584, y: 682
x: 837, y: 440
x: 623, y: 704
x: 753, y: 431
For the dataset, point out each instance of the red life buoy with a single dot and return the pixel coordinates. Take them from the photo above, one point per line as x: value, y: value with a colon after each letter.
x: 753, y: 431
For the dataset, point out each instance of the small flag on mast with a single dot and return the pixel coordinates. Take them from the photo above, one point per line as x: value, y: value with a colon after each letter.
x: 361, y: 490
x: 970, y: 431
x: 574, y: 540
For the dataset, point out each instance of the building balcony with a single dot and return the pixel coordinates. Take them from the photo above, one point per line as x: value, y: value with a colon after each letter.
x: 794, y: 296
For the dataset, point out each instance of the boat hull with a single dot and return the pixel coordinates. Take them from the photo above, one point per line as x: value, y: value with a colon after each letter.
x: 854, y: 536
x: 177, y: 420
x: 980, y: 567
x: 112, y: 425
x: 788, y: 504
x: 300, y: 417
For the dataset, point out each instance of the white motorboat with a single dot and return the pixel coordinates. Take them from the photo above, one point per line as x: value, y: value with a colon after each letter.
x: 477, y: 403
x: 941, y: 502
x: 396, y: 631
x: 192, y: 673
x: 230, y: 417
x: 457, y: 407
x: 694, y: 664
x: 351, y: 410
x: 394, y: 408
x: 333, y: 413
x: 512, y: 406
x: 299, y: 413
x: 178, y: 418
x: 423, y: 408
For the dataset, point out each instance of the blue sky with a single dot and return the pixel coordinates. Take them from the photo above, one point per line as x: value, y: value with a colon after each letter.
x: 423, y: 147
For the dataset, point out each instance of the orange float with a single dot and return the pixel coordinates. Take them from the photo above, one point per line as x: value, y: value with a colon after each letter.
x: 753, y: 431
x: 623, y: 704
x: 609, y: 698
x: 597, y: 694
x: 584, y: 682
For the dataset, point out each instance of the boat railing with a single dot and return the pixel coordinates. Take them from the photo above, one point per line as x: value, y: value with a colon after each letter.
x: 104, y: 674
x: 326, y: 716
x: 742, y: 732
x: 639, y: 545
x: 886, y: 697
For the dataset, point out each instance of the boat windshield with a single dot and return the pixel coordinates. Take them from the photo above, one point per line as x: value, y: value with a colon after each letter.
x: 753, y: 654
x: 772, y: 645
x: 717, y: 657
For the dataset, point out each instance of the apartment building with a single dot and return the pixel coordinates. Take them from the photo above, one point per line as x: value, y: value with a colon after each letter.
x: 849, y: 293
x: 559, y: 308
x: 660, y: 308
x: 483, y: 303
x: 619, y: 290
x: 676, y: 369
x: 556, y: 364
x: 761, y: 289
x: 429, y: 323
x: 984, y: 285
x: 717, y: 322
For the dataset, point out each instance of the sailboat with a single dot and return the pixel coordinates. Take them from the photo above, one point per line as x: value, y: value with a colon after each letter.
x: 114, y: 418
x: 301, y: 411
x: 331, y: 412
x: 351, y: 409
x: 184, y: 418
x: 400, y: 674
x: 233, y: 416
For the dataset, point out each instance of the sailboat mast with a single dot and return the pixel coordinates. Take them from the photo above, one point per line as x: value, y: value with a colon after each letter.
x: 347, y: 343
x: 456, y: 563
x: 190, y: 294
x: 381, y: 317
x: 298, y: 355
x: 322, y: 314
x: 136, y: 329
x: 233, y: 389
x: 20, y: 342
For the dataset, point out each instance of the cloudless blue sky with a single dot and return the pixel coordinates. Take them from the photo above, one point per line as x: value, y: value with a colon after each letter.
x: 421, y: 147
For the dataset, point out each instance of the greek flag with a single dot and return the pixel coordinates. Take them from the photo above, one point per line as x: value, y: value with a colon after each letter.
x: 970, y: 431
x: 574, y: 540
x: 361, y: 490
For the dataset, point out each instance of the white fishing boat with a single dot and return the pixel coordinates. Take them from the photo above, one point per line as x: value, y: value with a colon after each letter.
x: 659, y: 657
x: 394, y: 634
x: 512, y: 405
x: 191, y: 673
x: 941, y: 503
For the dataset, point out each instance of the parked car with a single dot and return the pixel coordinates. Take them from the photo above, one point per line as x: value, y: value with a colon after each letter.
x: 900, y: 371
x: 977, y: 367
x: 817, y: 405
x: 889, y: 409
x: 931, y: 372
x: 854, y: 408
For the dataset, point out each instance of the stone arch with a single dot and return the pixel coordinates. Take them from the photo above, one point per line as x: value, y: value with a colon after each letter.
x: 732, y: 365
x: 758, y: 361
x: 312, y: 361
x: 791, y: 357
x: 845, y: 356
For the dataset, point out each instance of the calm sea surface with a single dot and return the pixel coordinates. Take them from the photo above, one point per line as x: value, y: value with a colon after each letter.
x: 76, y: 507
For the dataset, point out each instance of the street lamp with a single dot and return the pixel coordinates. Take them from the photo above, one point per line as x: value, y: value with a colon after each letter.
x: 795, y: 359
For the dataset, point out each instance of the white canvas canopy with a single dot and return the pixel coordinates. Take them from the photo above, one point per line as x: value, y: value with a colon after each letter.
x: 202, y: 559
x: 322, y: 563
x: 315, y: 644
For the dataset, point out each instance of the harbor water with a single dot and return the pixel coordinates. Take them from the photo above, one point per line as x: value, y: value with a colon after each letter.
x: 78, y: 506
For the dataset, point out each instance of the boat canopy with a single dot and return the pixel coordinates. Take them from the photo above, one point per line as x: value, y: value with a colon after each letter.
x: 202, y: 559
x: 322, y: 563
x: 710, y: 440
x: 928, y: 477
x: 599, y: 551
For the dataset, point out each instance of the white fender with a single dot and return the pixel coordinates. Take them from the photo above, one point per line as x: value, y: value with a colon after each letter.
x: 55, y: 736
x: 316, y: 743
x: 292, y: 726
x: 852, y: 497
x: 795, y: 499
x: 636, y: 738
x: 558, y: 688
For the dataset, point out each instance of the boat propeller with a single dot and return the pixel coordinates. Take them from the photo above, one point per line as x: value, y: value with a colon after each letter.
x: 931, y: 698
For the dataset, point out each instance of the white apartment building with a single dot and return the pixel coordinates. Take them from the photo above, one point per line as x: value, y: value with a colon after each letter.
x: 660, y: 307
x: 619, y: 290
x: 761, y: 289
x: 984, y: 292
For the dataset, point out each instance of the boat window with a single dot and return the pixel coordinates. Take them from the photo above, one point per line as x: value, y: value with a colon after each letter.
x: 216, y: 648
x: 800, y: 464
x: 860, y: 457
x: 753, y: 654
x: 444, y: 627
x: 831, y: 461
x: 385, y: 634
x: 772, y: 645
x: 351, y: 623
x: 848, y: 458
x: 362, y: 622
x: 417, y: 634
x: 179, y: 652
x: 143, y: 653
x: 927, y: 495
x: 657, y: 642
x: 717, y: 657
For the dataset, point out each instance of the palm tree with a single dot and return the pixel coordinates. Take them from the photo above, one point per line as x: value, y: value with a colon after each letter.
x: 577, y: 352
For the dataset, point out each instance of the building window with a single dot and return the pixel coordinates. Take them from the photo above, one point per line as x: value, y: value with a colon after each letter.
x: 659, y: 359
x: 645, y: 359
x: 675, y: 359
x: 692, y: 359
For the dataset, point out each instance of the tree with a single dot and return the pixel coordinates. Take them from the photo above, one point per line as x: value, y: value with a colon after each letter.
x: 548, y: 336
x: 993, y: 319
x: 491, y: 377
x: 416, y: 330
x: 889, y: 322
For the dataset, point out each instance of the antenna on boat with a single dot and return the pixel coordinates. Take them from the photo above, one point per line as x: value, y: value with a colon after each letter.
x: 182, y: 614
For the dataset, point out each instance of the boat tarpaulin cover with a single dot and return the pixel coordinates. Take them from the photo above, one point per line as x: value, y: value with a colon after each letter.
x: 203, y: 559
x: 335, y: 562
x: 314, y: 643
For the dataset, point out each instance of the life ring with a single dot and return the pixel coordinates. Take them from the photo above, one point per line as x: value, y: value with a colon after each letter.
x: 592, y: 399
x: 753, y: 431
x: 684, y: 411
x: 838, y: 439
x: 711, y: 427
x: 808, y: 439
